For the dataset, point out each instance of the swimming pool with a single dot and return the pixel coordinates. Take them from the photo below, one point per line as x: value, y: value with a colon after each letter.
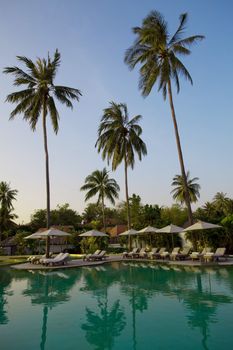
x: 121, y: 306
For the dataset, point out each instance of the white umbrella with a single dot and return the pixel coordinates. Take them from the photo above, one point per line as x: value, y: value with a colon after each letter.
x: 148, y: 229
x: 50, y: 233
x: 201, y: 225
x: 93, y: 233
x: 171, y: 229
x: 131, y: 232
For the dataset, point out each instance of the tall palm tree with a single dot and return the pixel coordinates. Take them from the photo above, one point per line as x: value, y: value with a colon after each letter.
x: 119, y: 139
x: 157, y: 52
x: 7, y: 196
x: 38, y: 99
x: 99, y: 183
x: 179, y: 190
x: 222, y: 202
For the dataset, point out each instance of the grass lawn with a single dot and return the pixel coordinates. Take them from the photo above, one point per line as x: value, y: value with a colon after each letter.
x: 12, y: 260
x: 7, y: 260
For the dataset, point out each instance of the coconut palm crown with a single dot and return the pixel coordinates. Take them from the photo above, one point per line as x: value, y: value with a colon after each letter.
x: 179, y: 190
x: 158, y: 53
x: 98, y: 183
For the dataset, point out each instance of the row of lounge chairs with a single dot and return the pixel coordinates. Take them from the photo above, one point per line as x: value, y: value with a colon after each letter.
x: 177, y: 254
x: 97, y: 256
x: 60, y: 259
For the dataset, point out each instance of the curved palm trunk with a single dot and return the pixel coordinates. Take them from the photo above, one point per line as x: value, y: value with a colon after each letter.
x: 103, y: 213
x: 183, y: 173
x: 127, y: 201
x: 47, y: 179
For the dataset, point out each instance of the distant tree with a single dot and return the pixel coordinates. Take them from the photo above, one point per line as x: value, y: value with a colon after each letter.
x: 222, y: 203
x: 151, y: 215
x: 7, y: 196
x: 93, y: 211
x: 39, y: 99
x: 63, y: 215
x: 175, y: 215
x: 179, y: 188
x: 98, y: 183
x: 157, y: 52
x: 119, y: 139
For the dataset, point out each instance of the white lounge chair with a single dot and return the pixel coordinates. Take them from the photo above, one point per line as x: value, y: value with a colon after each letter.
x: 60, y: 259
x: 86, y: 257
x: 130, y: 254
x: 100, y: 256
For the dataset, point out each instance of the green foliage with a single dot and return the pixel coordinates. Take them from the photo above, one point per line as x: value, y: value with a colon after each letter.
x: 175, y: 215
x: 41, y: 91
x: 99, y: 183
x: 63, y: 215
x: 179, y: 190
x: 7, y: 196
x: 91, y: 244
x: 157, y: 53
x: 118, y: 137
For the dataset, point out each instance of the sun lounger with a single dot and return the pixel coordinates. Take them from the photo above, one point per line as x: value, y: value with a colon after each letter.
x: 130, y: 254
x: 139, y: 254
x: 36, y: 259
x: 219, y: 253
x: 174, y: 253
x: 198, y: 255
x: 100, y: 256
x: 158, y: 255
x: 183, y: 254
x: 153, y: 251
x: 143, y: 254
x: 60, y: 259
x: 86, y: 257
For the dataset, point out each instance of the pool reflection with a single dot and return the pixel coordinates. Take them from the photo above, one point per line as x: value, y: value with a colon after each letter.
x: 109, y: 300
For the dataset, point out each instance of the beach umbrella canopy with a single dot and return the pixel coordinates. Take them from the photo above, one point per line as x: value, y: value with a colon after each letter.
x: 148, y: 229
x: 129, y: 233
x: 34, y: 236
x: 93, y: 233
x: 170, y: 229
x: 201, y: 225
x: 52, y: 232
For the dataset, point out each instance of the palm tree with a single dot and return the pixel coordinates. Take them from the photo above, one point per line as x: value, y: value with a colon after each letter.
x: 157, y: 52
x: 179, y: 190
x: 119, y: 139
x: 222, y: 202
x: 99, y: 183
x: 38, y: 99
x: 7, y: 196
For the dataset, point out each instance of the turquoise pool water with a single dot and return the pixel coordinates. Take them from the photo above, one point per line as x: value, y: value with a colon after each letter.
x: 120, y: 306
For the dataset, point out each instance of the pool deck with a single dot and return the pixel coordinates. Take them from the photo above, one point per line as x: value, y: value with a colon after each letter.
x: 114, y: 258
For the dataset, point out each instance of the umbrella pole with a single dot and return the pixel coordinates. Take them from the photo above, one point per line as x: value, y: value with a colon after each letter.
x: 47, y: 246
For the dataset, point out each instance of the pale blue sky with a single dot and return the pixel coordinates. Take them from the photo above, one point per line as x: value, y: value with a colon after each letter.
x: 92, y: 37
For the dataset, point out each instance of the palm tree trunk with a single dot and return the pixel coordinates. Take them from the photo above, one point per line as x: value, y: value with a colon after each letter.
x: 127, y: 201
x: 47, y: 178
x: 183, y: 173
x: 103, y: 213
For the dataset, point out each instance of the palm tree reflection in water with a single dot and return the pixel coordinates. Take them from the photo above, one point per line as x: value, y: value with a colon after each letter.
x: 48, y: 289
x: 107, y: 323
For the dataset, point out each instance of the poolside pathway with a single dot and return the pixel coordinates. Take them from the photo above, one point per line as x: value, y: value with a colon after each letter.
x: 113, y: 258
